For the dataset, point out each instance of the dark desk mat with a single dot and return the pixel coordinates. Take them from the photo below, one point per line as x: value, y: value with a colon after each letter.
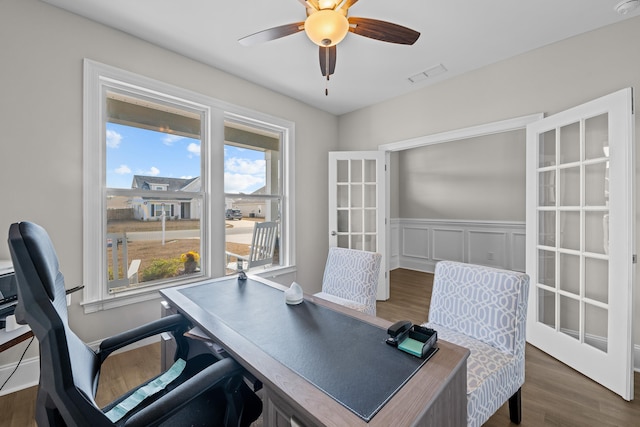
x: 344, y: 357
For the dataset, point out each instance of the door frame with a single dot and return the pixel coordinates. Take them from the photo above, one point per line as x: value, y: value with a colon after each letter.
x: 516, y: 123
x: 513, y: 124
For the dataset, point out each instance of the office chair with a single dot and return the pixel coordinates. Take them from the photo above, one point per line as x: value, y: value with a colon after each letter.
x: 351, y: 279
x: 207, y: 392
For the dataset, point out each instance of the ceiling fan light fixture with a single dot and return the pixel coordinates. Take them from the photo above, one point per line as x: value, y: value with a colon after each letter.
x: 326, y: 27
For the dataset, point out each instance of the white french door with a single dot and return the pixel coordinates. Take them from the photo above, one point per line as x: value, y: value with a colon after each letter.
x: 358, y: 205
x: 580, y: 238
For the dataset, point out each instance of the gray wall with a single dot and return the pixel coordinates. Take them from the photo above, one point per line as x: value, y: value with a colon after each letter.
x: 478, y: 178
x: 548, y: 80
x: 41, y: 150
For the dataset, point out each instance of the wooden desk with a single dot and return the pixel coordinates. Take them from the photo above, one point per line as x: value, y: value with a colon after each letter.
x: 15, y: 337
x: 434, y: 396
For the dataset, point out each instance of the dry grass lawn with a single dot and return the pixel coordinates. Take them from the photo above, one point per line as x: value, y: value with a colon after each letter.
x: 150, y: 250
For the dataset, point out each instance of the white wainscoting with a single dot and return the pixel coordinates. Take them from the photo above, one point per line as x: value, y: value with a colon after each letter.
x: 418, y: 244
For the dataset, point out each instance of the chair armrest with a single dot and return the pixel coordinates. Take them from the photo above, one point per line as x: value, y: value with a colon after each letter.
x: 213, y: 376
x: 176, y: 323
x: 243, y: 257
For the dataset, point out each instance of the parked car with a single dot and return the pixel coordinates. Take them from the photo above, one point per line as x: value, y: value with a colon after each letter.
x: 233, y: 214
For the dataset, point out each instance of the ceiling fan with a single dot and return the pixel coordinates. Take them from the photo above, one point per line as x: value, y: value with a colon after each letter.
x: 327, y: 24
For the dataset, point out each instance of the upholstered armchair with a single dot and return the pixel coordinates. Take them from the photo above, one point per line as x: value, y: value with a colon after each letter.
x: 484, y: 309
x: 351, y: 279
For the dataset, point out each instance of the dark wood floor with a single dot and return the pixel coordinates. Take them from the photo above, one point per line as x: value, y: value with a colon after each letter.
x: 553, y: 394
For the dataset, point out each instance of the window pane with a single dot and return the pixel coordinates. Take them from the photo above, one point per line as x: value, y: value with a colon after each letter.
x: 143, y: 252
x: 154, y: 199
x: 252, y: 186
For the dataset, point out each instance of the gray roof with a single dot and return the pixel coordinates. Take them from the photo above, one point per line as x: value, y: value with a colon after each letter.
x: 173, y: 184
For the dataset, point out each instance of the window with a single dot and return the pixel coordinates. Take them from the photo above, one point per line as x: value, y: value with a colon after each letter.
x: 253, y: 191
x: 165, y: 168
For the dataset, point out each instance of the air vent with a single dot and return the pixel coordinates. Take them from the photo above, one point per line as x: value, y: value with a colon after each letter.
x: 429, y: 73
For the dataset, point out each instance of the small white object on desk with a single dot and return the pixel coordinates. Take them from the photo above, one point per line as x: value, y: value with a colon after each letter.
x: 6, y: 266
x: 12, y: 325
x: 294, y: 294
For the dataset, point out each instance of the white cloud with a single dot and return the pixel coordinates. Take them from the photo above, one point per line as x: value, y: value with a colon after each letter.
x: 113, y: 139
x: 123, y: 170
x: 153, y: 171
x: 170, y: 139
x: 242, y: 183
x: 194, y: 148
x: 245, y: 166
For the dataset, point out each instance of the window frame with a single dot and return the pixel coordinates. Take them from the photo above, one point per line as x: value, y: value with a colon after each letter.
x: 99, y: 77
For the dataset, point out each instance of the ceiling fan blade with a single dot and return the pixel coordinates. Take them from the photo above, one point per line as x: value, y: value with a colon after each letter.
x: 272, y: 34
x: 346, y: 4
x: 383, y: 31
x: 328, y: 60
x: 310, y: 4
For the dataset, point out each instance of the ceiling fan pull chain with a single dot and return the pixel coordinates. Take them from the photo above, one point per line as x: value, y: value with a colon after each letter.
x: 326, y: 62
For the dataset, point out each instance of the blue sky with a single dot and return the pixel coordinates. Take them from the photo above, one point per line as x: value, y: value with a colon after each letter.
x: 134, y: 151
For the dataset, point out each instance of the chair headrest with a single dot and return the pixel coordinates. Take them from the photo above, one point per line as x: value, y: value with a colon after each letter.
x: 43, y: 254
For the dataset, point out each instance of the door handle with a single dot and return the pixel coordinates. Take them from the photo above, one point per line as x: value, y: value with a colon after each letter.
x: 333, y: 233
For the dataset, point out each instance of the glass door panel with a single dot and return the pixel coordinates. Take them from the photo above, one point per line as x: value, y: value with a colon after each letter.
x: 547, y: 228
x: 569, y: 272
x: 356, y: 196
x: 596, y: 240
x: 547, y: 268
x: 342, y: 199
x: 370, y: 171
x: 570, y: 143
x: 547, y: 149
x: 356, y: 171
x: 569, y: 311
x: 595, y: 184
x: 547, y: 308
x: 569, y: 230
x: 342, y: 174
x: 370, y: 219
x: 596, y: 272
x: 596, y: 325
x: 596, y: 137
x: 547, y: 183
x: 569, y: 186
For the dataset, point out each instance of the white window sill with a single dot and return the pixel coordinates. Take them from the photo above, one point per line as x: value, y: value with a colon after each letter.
x: 122, y: 299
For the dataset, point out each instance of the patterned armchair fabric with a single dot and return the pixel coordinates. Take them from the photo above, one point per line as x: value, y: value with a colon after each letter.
x: 351, y: 279
x: 485, y: 310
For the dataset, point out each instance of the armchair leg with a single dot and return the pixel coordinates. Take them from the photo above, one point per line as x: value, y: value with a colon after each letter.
x: 515, y: 407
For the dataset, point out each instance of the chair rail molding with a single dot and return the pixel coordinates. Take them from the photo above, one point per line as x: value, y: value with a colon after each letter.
x: 418, y: 243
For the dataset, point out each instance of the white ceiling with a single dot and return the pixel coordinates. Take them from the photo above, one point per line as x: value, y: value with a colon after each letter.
x: 460, y: 34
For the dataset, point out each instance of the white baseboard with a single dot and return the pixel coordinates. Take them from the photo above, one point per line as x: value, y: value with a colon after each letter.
x: 27, y: 375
